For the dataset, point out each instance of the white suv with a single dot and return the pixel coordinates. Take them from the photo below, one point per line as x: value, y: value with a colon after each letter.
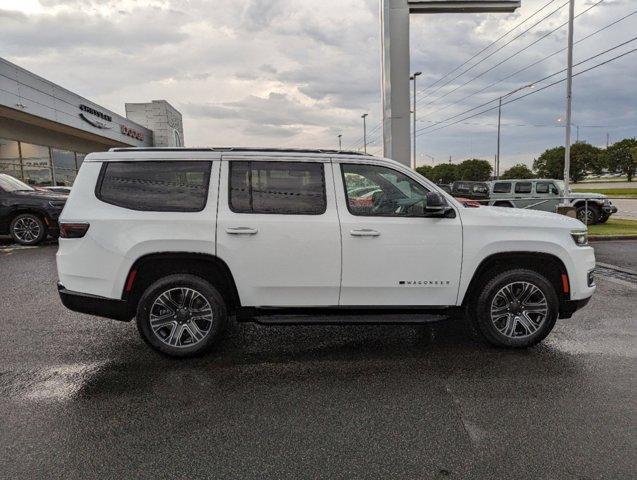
x: 183, y: 238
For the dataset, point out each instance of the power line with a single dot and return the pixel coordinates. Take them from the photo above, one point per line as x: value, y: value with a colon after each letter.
x: 513, y: 55
x: 530, y: 93
x: 488, y: 46
x: 535, y: 82
x: 532, y: 64
x: 497, y: 50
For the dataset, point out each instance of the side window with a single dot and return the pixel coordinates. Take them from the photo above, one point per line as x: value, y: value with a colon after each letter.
x: 542, y: 187
x: 380, y: 191
x: 502, y: 187
x: 523, y: 187
x: 158, y: 186
x: 284, y: 188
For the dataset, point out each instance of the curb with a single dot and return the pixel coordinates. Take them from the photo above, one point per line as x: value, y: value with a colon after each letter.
x: 599, y: 238
x: 616, y: 268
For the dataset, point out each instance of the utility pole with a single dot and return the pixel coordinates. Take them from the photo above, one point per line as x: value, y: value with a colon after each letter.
x: 364, y: 116
x: 340, y: 145
x: 413, y: 77
x: 569, y: 95
x: 449, y: 158
x: 607, y: 139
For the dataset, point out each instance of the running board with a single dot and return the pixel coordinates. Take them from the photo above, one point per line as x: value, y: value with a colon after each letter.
x: 342, y: 317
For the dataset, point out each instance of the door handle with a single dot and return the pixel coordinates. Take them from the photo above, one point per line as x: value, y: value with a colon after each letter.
x: 241, y: 230
x: 364, y: 232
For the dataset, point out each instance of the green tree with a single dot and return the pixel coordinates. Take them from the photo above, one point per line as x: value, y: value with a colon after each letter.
x: 425, y: 170
x: 474, y: 169
x: 518, y: 171
x: 444, y: 173
x: 551, y: 163
x: 620, y: 158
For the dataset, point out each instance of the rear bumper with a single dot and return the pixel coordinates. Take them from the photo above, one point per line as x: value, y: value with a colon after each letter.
x: 569, y: 307
x: 95, y: 305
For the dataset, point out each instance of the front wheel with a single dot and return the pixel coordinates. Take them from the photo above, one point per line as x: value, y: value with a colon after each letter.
x: 588, y: 216
x: 181, y: 315
x: 516, y: 308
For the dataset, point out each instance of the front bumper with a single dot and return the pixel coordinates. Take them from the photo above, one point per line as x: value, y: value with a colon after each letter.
x: 609, y: 209
x: 95, y: 305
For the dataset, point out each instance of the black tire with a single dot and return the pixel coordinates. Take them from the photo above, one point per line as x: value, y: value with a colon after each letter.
x: 503, y: 204
x: 479, y: 310
x: 27, y: 229
x: 162, y: 338
x: 604, y: 218
x: 594, y: 214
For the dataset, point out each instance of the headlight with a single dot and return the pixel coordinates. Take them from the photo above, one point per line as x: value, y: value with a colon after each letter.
x: 57, y: 204
x: 580, y: 237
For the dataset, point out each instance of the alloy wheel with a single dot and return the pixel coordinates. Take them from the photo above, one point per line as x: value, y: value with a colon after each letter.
x: 181, y: 317
x: 26, y: 229
x: 519, y: 309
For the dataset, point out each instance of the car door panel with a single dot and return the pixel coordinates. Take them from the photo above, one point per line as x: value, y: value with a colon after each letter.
x: 397, y: 261
x: 281, y: 259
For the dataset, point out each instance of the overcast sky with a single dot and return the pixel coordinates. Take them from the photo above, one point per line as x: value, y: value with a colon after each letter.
x: 298, y: 73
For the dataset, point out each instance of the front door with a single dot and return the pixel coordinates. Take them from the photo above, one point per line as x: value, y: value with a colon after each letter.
x: 392, y: 254
x: 278, y: 231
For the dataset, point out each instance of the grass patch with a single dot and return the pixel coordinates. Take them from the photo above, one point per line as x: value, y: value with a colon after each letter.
x: 611, y: 192
x: 614, y: 227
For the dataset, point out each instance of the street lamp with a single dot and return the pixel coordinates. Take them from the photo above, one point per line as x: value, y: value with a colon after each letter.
x: 497, y: 161
x: 340, y: 144
x: 413, y: 77
x: 364, y: 116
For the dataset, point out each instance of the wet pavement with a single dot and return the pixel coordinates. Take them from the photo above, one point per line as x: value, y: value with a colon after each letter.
x: 82, y: 397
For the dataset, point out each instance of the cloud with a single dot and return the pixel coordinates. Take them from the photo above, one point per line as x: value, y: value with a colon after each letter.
x: 255, y: 72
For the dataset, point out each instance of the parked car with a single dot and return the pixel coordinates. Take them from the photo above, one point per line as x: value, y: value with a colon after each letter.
x: 470, y: 190
x: 27, y: 214
x: 524, y: 193
x: 182, y: 238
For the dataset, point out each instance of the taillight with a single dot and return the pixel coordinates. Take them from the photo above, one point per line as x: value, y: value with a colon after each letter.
x: 73, y: 230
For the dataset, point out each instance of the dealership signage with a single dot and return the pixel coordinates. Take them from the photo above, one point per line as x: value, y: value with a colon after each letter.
x: 131, y: 132
x: 90, y: 116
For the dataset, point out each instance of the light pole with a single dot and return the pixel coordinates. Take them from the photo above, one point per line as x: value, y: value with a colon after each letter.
x: 497, y: 156
x: 340, y: 145
x: 413, y: 77
x: 569, y: 94
x: 364, y: 116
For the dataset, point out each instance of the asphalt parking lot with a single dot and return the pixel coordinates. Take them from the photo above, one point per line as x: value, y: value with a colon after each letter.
x: 82, y: 397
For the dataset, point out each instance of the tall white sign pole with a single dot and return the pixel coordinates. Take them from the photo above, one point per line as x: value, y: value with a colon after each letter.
x: 569, y: 93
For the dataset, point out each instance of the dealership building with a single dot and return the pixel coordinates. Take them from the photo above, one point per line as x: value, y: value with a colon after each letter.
x: 47, y: 130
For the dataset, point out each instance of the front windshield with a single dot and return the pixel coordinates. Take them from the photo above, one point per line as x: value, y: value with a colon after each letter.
x: 11, y: 184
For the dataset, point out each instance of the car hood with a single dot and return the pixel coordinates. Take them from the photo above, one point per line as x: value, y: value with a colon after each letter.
x: 40, y: 195
x: 520, y: 217
x: 586, y: 195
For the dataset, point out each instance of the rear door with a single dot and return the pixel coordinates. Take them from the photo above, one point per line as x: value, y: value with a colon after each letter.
x: 278, y: 231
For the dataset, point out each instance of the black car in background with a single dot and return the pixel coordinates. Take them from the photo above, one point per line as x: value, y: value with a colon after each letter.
x: 470, y: 189
x: 27, y: 214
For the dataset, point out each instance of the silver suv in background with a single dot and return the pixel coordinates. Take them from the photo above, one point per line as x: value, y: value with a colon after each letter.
x: 546, y: 194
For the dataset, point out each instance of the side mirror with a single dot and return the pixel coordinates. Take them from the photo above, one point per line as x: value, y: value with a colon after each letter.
x: 434, y: 202
x: 436, y: 205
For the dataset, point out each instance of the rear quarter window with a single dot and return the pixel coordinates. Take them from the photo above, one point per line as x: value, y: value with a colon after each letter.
x: 156, y: 186
x: 502, y: 187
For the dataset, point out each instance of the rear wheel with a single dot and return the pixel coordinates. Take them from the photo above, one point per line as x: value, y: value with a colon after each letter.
x: 604, y: 218
x: 516, y: 308
x: 27, y: 229
x: 589, y: 216
x: 181, y: 315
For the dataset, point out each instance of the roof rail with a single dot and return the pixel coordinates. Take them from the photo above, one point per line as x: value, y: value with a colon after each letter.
x: 237, y: 149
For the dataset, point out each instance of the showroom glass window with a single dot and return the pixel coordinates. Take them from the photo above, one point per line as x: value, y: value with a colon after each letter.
x: 286, y: 188
x: 63, y: 166
x: 373, y: 190
x: 10, y: 158
x: 36, y: 164
x: 178, y: 186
